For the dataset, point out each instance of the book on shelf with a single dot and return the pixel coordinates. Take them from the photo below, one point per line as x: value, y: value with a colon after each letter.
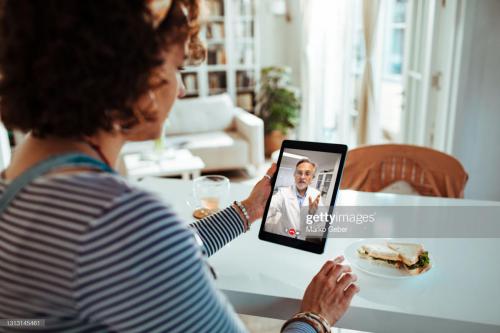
x: 244, y: 80
x: 190, y: 82
x: 215, y: 30
x: 217, y: 80
x: 215, y: 7
x: 221, y: 57
x: 216, y: 56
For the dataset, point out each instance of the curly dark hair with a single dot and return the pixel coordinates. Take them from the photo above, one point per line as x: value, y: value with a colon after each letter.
x: 72, y: 67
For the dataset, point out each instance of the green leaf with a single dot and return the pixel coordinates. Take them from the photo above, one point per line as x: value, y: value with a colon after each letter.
x: 277, y: 101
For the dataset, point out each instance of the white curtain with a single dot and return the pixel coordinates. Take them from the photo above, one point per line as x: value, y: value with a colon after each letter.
x: 368, y: 127
x: 326, y: 69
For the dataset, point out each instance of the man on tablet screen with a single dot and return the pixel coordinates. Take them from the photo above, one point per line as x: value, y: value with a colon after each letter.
x: 283, y: 217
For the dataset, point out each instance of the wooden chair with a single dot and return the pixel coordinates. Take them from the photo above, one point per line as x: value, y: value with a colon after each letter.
x: 429, y: 172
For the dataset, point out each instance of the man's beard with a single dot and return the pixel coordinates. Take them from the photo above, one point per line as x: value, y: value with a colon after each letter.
x: 301, y: 186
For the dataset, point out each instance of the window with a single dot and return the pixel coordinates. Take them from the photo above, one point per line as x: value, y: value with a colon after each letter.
x: 390, y: 54
x: 392, y: 85
x: 394, y: 46
x: 336, y: 58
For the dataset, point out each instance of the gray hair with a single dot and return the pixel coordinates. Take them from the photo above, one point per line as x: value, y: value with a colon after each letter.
x: 306, y: 160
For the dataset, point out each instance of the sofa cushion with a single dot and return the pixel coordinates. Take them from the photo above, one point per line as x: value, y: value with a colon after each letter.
x: 197, y: 115
x: 218, y: 150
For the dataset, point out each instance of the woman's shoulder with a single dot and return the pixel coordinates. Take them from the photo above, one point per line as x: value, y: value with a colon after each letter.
x: 105, y: 186
x: 104, y: 191
x: 112, y: 186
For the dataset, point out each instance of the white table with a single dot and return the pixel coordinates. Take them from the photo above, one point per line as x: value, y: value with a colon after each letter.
x: 168, y: 163
x: 461, y: 293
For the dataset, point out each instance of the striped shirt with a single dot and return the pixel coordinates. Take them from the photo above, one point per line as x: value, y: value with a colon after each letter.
x: 88, y: 252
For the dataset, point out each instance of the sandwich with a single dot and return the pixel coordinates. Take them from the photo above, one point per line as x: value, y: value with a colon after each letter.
x: 408, y: 257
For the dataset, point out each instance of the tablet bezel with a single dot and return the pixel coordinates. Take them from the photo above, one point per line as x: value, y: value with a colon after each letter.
x: 318, y: 248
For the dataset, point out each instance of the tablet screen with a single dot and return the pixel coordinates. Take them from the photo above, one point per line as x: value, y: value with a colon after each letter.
x: 306, y: 184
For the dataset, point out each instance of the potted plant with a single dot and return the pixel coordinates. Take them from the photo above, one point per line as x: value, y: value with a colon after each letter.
x: 278, y: 105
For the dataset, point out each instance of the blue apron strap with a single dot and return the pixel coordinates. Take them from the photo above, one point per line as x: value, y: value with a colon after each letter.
x: 66, y: 160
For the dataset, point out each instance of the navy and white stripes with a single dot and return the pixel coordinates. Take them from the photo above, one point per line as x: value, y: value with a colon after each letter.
x: 90, y: 253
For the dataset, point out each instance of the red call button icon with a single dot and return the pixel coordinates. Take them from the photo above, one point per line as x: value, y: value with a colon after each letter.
x: 291, y: 232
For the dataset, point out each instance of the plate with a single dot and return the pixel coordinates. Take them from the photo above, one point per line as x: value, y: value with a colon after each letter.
x: 372, y: 267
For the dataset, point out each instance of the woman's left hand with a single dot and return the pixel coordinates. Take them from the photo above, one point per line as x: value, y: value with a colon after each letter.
x: 256, y: 202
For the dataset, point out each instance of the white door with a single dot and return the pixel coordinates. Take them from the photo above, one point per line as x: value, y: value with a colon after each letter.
x: 417, y: 71
x: 431, y: 70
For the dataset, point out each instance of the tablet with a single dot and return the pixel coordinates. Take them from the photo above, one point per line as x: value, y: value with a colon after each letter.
x: 304, y: 190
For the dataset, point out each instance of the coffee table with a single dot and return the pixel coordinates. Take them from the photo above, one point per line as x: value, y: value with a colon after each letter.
x: 141, y: 161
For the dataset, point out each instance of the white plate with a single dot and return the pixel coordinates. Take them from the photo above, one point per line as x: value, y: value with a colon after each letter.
x: 371, y: 266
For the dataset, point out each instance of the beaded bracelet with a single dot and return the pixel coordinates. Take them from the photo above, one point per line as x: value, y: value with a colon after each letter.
x: 320, y: 319
x: 243, y: 210
x: 313, y: 323
x: 317, y: 321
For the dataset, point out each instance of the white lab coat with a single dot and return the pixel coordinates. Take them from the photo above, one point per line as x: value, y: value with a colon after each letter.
x: 284, y: 211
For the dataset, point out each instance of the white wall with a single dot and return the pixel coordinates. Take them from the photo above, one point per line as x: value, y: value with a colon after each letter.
x: 4, y: 148
x: 280, y: 40
x: 477, y: 127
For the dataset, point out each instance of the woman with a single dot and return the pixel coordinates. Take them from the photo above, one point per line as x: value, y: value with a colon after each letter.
x: 79, y: 247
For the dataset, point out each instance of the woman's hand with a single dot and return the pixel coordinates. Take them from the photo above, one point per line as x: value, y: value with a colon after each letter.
x: 256, y: 202
x: 330, y: 291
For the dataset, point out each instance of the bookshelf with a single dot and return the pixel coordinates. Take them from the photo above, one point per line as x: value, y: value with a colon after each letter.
x: 232, y: 64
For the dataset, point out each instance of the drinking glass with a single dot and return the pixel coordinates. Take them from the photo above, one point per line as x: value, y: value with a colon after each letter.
x: 210, y: 194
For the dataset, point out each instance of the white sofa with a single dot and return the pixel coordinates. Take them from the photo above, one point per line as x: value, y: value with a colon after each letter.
x: 223, y: 136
